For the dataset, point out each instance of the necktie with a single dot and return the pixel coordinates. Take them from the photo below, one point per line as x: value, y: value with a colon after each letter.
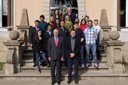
x: 56, y: 41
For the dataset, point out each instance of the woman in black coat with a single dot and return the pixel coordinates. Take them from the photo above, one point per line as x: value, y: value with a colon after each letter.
x: 38, y: 46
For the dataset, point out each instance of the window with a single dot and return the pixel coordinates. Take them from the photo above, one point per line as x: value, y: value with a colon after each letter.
x: 4, y: 12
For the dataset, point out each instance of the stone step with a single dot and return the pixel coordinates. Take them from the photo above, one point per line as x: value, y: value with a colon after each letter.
x: 43, y: 76
x: 27, y: 54
x: 103, y: 55
x: 30, y: 60
x: 91, y: 69
x: 30, y: 64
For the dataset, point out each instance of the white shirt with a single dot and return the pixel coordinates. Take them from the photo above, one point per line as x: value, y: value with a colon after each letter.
x: 98, y: 28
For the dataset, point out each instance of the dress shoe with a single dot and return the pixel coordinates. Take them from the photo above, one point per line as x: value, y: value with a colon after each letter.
x: 34, y: 65
x: 69, y: 82
x: 76, y: 82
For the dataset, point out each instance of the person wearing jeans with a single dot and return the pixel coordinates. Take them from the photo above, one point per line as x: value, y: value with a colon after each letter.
x: 93, y: 50
x: 90, y: 38
x: 38, y: 46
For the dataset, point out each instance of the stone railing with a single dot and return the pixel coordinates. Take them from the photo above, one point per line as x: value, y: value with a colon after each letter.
x: 14, y: 53
x: 19, y: 37
x: 113, y: 49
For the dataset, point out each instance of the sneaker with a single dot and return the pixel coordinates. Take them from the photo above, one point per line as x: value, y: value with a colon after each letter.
x: 87, y: 65
x: 96, y: 66
x: 38, y: 70
x: 82, y: 66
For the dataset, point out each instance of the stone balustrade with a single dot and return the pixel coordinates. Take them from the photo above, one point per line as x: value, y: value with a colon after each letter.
x: 14, y: 53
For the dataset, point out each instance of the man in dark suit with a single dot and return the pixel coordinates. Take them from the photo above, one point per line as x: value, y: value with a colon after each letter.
x: 32, y: 38
x: 48, y: 34
x: 56, y: 53
x: 74, y: 45
x: 64, y: 33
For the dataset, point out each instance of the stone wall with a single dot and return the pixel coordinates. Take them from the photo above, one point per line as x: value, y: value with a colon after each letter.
x: 124, y: 38
x: 3, y: 50
x: 125, y: 52
x: 90, y: 7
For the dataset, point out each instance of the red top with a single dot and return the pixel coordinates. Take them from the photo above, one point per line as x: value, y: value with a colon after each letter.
x: 83, y: 27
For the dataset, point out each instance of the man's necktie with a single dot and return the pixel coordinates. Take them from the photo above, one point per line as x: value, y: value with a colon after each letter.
x: 56, y: 41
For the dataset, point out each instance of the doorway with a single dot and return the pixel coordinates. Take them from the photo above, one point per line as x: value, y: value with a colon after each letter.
x: 62, y: 5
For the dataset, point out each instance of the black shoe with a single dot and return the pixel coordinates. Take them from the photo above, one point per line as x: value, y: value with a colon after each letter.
x: 96, y: 66
x: 43, y: 64
x: 48, y: 65
x: 59, y: 83
x: 69, y: 82
x: 76, y: 82
x: 34, y: 65
x: 53, y: 83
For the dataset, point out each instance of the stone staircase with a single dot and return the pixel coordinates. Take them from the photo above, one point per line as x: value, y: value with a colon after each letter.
x: 28, y: 70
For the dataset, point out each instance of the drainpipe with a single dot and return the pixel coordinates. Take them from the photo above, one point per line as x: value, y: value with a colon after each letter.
x: 14, y: 14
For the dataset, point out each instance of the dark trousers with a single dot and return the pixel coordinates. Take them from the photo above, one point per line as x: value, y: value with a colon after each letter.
x: 34, y: 56
x: 65, y: 57
x: 46, y: 54
x: 71, y: 62
x: 56, y: 66
x: 97, y: 43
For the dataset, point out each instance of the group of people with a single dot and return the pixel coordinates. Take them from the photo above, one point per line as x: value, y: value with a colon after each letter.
x: 64, y: 42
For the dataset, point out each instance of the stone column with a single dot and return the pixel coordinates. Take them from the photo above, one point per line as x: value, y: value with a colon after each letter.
x: 114, y: 53
x: 126, y: 13
x: 14, y: 53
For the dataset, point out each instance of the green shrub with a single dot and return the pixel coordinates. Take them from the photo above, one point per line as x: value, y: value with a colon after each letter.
x: 1, y: 65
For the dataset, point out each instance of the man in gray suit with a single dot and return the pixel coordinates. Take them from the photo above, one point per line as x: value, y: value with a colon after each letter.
x: 55, y: 53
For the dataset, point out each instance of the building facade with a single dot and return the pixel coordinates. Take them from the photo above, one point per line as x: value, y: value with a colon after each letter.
x: 11, y: 10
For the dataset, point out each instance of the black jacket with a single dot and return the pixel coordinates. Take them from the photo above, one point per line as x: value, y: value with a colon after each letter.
x: 38, y: 45
x: 64, y: 34
x: 77, y: 47
x: 32, y: 35
x: 46, y: 38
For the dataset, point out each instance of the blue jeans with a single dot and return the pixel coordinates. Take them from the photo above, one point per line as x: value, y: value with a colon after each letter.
x: 42, y: 57
x: 37, y: 59
x: 93, y: 50
x: 81, y: 55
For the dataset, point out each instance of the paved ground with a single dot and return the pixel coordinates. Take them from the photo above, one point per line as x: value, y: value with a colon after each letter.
x: 46, y: 82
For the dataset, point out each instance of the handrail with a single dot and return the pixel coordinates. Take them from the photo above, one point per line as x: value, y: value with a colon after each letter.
x: 8, y: 27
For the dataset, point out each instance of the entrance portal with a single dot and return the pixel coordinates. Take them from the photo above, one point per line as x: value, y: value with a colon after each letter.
x: 62, y: 5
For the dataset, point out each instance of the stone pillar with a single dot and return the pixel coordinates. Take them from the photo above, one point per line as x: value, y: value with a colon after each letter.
x: 126, y: 13
x: 0, y: 13
x: 114, y: 53
x: 81, y: 8
x: 24, y: 28
x: 14, y: 53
